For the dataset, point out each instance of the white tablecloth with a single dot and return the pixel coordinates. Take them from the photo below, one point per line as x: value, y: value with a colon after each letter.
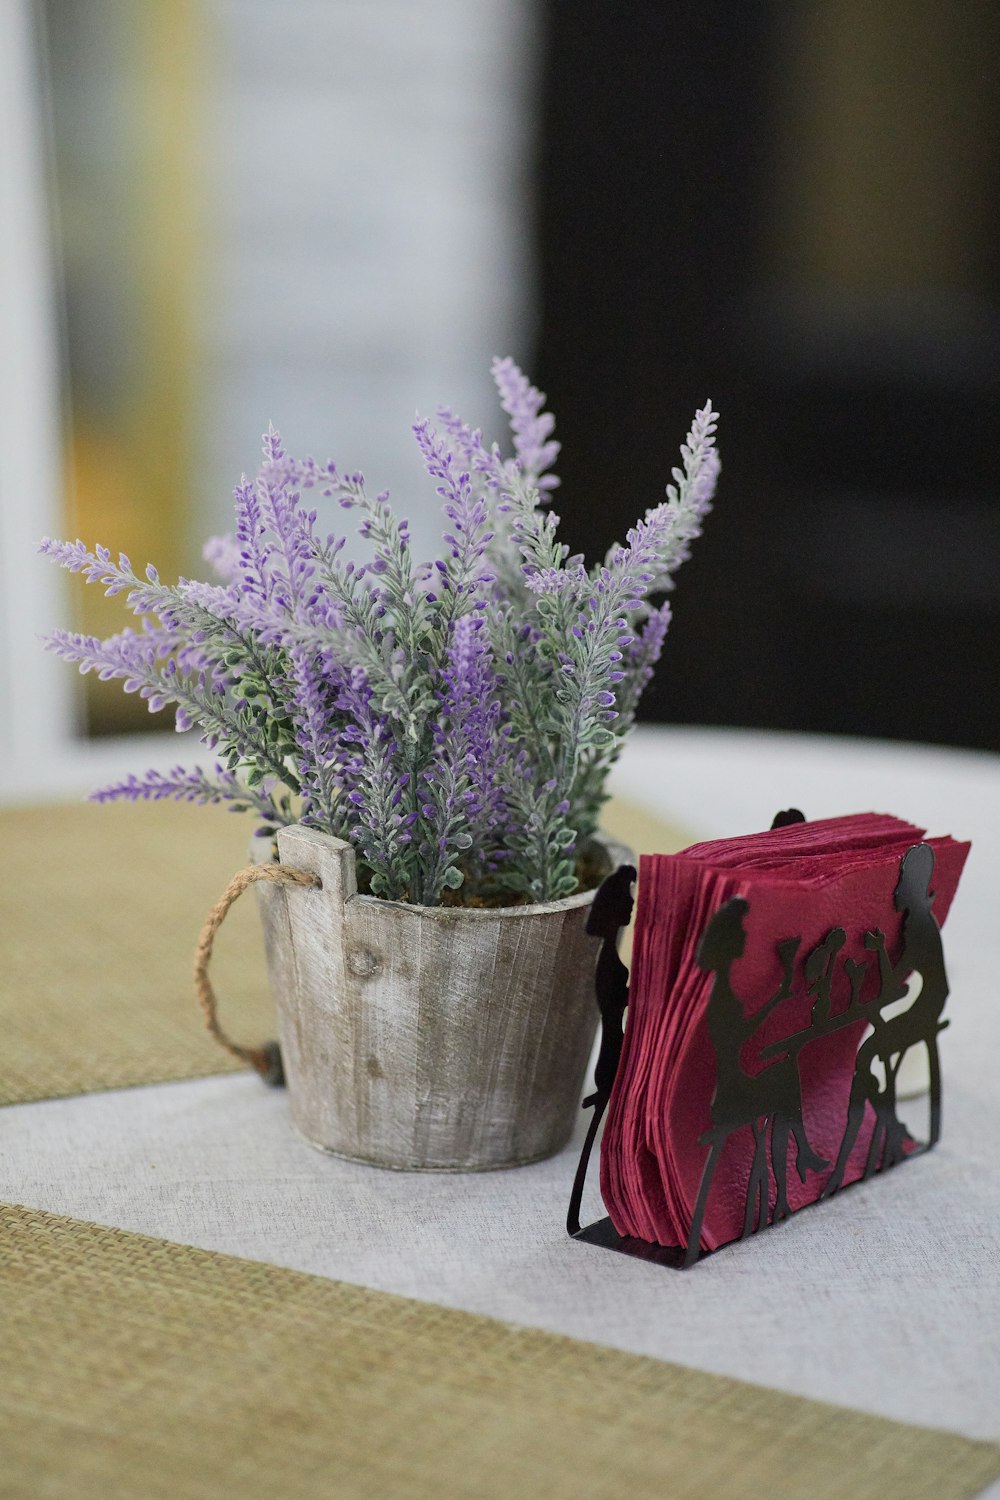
x: 888, y: 1297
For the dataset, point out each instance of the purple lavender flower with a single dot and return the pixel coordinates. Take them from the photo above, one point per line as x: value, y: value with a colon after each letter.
x: 465, y: 811
x: 640, y: 659
x: 315, y: 728
x: 455, y: 719
x: 532, y: 427
x: 463, y: 573
x: 184, y: 784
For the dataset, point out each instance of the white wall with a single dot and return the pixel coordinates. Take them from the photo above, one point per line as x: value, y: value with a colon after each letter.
x: 36, y: 710
x: 367, y: 223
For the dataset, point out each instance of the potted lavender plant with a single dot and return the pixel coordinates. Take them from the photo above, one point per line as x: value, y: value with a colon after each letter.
x: 428, y: 744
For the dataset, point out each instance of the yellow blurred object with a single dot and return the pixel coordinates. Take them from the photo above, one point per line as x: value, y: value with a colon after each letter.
x: 105, y: 479
x: 132, y: 364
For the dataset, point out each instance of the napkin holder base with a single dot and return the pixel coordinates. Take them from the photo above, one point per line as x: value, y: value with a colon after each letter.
x: 603, y: 1233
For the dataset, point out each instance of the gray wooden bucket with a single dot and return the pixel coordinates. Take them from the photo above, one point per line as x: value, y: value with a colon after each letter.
x: 427, y: 1038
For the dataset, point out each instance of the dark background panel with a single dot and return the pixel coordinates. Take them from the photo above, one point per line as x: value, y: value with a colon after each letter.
x: 794, y: 210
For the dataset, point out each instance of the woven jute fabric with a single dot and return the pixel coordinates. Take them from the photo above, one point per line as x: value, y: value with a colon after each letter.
x: 134, y: 1367
x: 100, y: 910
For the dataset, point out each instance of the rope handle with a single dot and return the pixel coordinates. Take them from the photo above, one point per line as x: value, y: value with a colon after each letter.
x: 266, y: 1059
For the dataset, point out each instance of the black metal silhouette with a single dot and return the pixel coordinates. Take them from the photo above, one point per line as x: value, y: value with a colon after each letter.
x: 772, y: 1097
x: 819, y: 968
x: 787, y: 818
x: 892, y: 1037
x: 610, y: 912
x: 769, y: 1103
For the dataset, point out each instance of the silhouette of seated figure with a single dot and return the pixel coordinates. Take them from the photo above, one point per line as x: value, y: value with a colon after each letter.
x: 893, y: 1036
x: 773, y: 1095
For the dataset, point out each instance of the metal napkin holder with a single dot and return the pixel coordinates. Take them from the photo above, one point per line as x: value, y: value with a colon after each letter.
x: 778, y: 1105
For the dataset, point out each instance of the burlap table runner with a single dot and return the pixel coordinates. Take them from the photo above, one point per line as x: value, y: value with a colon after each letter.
x: 100, y: 908
x: 133, y: 1367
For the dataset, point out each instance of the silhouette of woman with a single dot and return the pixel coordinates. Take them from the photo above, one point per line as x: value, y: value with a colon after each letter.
x: 923, y: 954
x: 610, y: 912
x: 918, y: 1025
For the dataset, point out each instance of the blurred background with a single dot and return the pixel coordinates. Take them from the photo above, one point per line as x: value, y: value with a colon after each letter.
x: 332, y: 213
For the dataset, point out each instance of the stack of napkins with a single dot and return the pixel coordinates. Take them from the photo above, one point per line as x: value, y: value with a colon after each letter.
x: 692, y: 1003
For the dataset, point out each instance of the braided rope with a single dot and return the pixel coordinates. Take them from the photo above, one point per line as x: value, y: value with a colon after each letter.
x: 266, y: 1059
